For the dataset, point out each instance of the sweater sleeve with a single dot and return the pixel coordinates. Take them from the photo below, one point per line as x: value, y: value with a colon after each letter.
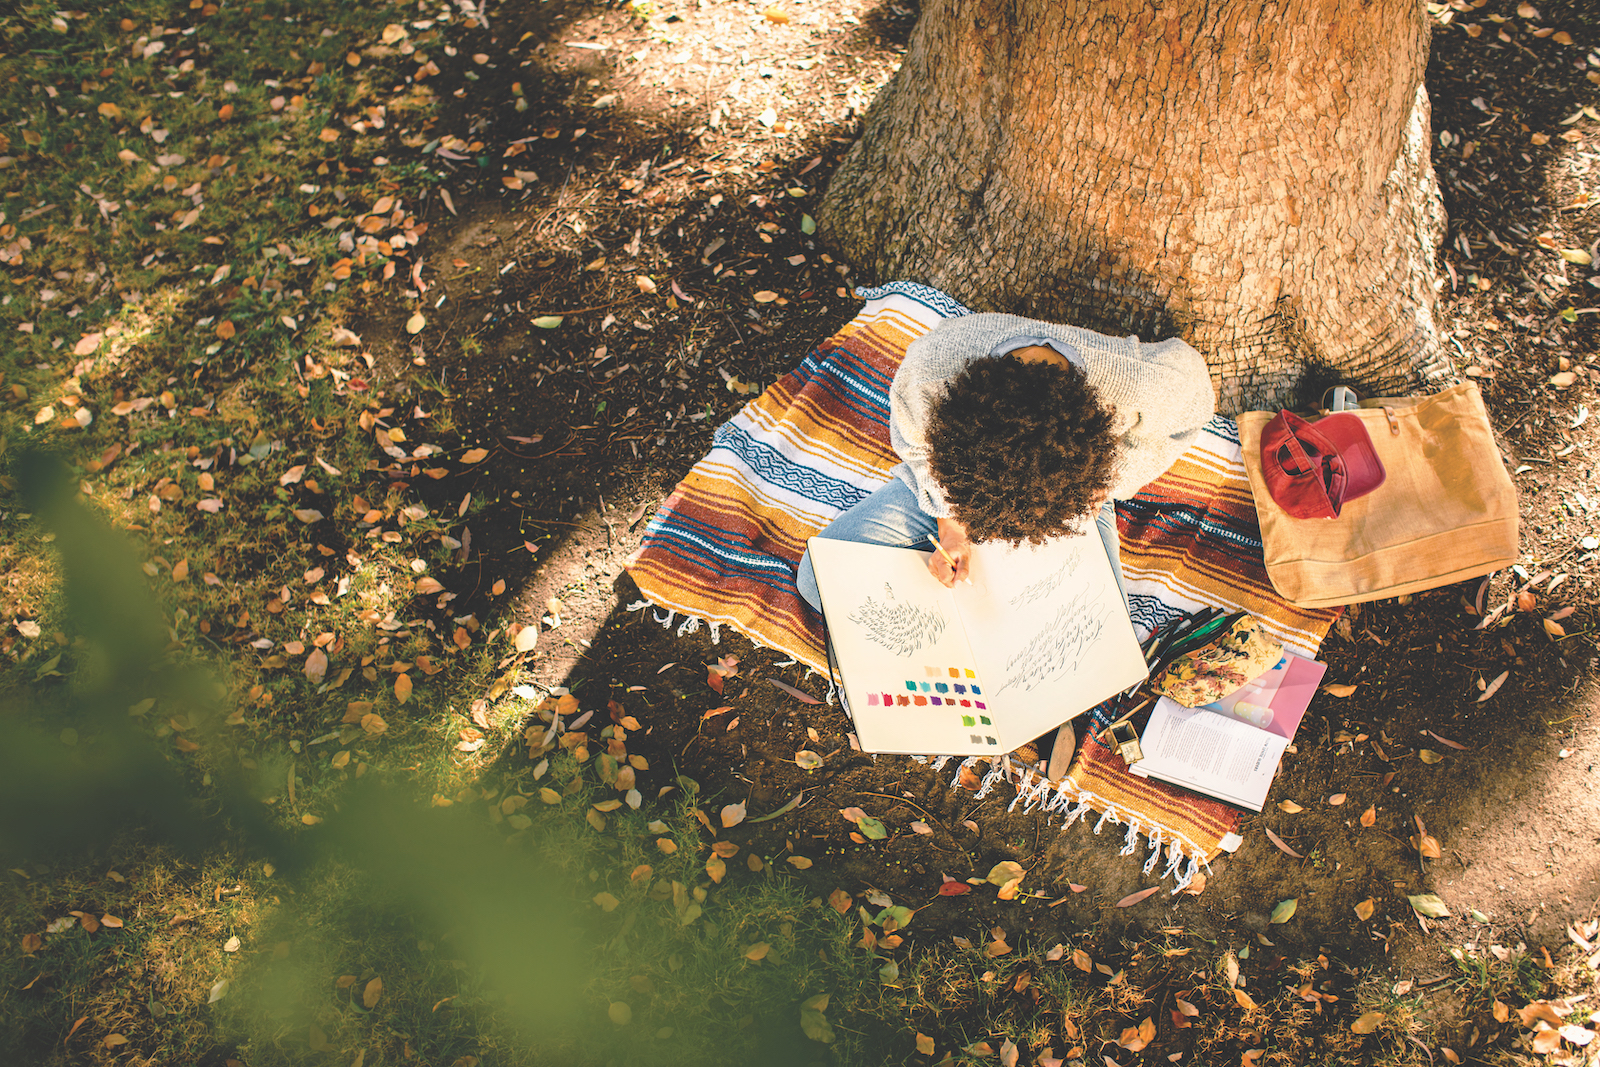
x: 918, y: 384
x: 1164, y: 404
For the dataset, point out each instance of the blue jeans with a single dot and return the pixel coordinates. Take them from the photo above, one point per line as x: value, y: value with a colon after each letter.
x: 891, y: 516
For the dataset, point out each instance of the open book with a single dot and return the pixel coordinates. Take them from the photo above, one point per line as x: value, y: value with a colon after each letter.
x: 1230, y: 749
x: 1040, y: 635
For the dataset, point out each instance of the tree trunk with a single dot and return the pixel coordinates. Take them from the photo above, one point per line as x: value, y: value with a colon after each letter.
x: 1252, y: 176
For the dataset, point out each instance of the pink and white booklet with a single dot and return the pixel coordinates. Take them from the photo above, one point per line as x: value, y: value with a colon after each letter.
x: 1230, y: 750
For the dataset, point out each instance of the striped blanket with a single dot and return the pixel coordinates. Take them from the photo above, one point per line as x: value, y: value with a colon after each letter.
x: 723, y: 547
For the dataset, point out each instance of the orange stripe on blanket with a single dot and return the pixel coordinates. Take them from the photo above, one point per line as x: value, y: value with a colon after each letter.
x: 1203, y: 820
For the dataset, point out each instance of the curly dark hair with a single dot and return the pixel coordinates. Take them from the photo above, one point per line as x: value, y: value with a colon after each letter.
x: 1023, y: 450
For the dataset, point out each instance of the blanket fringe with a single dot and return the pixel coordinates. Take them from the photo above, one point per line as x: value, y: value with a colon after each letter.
x: 1185, y: 859
x: 1131, y: 842
x: 690, y: 624
x: 1155, y: 850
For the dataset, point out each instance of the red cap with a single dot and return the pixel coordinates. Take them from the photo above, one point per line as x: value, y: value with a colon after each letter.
x: 1310, y: 470
x: 1363, y: 469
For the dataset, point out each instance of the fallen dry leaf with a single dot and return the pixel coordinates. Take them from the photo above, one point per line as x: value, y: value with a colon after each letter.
x: 1133, y: 898
x: 1578, y: 1035
x: 798, y: 694
x: 371, y: 994
x: 1540, y: 1011
x: 1282, y: 846
x: 1339, y: 689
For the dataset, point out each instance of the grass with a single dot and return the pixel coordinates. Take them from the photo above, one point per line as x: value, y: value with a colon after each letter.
x: 1485, y: 978
x: 193, y: 201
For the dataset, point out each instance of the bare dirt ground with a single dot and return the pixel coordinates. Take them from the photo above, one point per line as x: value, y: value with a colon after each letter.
x: 642, y: 180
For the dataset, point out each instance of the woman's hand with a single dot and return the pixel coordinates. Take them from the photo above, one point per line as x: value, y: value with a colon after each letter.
x: 953, y: 541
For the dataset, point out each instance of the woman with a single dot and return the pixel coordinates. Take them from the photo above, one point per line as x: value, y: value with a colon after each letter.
x: 1015, y: 429
x: 1018, y: 430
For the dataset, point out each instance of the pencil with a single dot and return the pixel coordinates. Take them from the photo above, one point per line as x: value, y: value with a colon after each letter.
x: 948, y: 558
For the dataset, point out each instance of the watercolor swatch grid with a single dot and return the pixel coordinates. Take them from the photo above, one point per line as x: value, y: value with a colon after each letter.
x: 949, y: 687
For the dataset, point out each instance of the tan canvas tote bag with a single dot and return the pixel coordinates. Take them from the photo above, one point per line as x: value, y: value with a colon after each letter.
x: 1446, y: 512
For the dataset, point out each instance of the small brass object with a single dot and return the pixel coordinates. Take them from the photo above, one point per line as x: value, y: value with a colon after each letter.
x: 1125, y: 740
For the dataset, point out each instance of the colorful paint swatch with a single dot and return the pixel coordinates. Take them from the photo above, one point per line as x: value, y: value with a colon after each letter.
x: 872, y: 700
x: 920, y: 701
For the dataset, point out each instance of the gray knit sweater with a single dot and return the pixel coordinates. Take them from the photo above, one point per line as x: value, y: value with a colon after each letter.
x: 1161, y: 391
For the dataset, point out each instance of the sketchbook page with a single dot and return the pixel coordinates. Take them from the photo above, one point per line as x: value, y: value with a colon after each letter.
x: 1210, y: 753
x: 1049, y: 631
x: 907, y: 669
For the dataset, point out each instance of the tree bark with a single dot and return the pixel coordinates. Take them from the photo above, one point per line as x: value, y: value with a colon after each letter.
x: 1250, y: 175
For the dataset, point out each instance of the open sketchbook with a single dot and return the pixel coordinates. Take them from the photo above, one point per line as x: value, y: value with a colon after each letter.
x: 1040, y: 635
x: 1230, y: 749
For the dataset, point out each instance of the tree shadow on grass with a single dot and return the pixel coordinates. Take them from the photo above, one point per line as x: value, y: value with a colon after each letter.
x: 387, y: 905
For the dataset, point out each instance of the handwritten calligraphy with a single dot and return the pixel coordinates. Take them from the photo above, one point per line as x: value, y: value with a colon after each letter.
x: 899, y: 626
x: 1057, y: 646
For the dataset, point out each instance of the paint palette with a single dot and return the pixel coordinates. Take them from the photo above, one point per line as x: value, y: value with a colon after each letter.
x: 942, y: 687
